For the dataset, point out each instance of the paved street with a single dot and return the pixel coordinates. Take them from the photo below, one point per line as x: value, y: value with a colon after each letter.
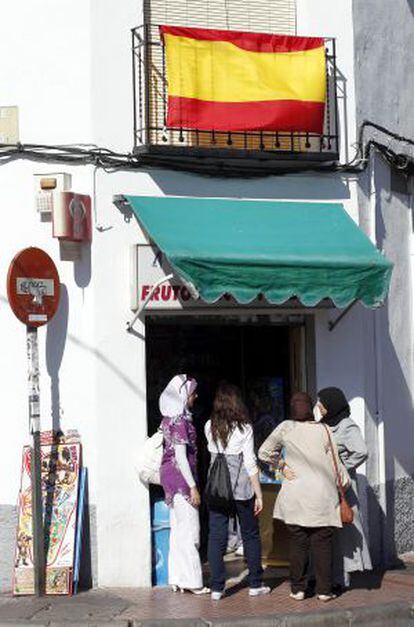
x: 377, y: 599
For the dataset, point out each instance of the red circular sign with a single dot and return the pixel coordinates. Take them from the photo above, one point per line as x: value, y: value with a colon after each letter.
x: 33, y: 287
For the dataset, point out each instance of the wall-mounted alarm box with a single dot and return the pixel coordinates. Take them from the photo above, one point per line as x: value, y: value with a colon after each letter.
x: 46, y: 188
x: 72, y: 220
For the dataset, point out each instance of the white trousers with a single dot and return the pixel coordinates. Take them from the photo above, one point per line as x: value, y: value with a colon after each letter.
x: 184, y: 565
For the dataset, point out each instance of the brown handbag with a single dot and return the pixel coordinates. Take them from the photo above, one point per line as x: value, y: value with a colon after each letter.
x: 347, y: 514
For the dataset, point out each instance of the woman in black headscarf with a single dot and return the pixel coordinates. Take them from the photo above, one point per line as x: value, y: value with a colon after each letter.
x: 351, y: 551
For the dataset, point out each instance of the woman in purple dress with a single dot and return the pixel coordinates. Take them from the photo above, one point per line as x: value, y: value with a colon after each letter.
x: 179, y: 480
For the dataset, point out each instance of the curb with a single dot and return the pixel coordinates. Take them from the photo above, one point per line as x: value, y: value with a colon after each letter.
x: 397, y: 614
x: 66, y: 623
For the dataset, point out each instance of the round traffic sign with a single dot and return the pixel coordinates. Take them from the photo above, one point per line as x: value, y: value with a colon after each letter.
x: 33, y: 287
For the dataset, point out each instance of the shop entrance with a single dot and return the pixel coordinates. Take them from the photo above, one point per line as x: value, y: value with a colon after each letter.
x: 267, y: 356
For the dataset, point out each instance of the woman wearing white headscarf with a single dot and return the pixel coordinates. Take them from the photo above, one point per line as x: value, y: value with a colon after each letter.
x: 178, y: 478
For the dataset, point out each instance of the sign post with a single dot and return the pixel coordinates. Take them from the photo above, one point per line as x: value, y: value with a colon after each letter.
x: 33, y: 290
x: 39, y: 559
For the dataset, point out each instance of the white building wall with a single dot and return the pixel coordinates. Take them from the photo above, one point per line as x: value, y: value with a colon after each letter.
x: 75, y: 86
x: 45, y: 71
x: 384, y: 86
x: 319, y: 18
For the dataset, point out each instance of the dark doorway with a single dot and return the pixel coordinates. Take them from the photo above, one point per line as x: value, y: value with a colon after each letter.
x: 263, y: 357
x: 244, y: 354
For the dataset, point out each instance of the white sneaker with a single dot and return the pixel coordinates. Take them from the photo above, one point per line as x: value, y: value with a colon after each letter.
x: 240, y: 551
x: 203, y: 590
x: 326, y: 597
x: 216, y: 596
x: 255, y: 592
x: 298, y: 596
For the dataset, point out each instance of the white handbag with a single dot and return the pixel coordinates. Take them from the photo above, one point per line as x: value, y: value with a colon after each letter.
x: 150, y: 457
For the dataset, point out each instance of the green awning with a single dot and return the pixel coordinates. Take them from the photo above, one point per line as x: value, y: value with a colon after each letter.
x: 311, y: 251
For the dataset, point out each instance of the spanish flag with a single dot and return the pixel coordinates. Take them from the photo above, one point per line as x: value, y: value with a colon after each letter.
x: 235, y: 81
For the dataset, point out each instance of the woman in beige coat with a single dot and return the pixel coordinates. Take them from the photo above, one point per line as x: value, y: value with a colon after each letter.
x: 309, y: 503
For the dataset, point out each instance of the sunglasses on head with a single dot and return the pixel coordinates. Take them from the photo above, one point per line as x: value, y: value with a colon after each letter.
x: 186, y: 380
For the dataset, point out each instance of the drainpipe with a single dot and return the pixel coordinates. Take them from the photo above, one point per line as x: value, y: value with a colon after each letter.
x: 379, y: 414
x: 378, y: 372
x: 411, y: 192
x: 380, y: 424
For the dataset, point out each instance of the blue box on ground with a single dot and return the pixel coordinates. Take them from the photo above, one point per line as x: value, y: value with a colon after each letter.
x: 160, y: 537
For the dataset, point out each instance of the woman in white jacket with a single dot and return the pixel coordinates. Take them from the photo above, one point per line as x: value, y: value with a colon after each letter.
x: 229, y: 431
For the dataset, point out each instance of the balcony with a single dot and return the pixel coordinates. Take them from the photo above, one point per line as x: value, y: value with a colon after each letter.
x: 213, y: 152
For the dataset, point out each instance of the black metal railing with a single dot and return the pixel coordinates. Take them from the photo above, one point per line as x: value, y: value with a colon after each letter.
x: 150, y: 90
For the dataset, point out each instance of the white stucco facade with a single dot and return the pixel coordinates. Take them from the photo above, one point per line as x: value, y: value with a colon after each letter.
x: 68, y: 69
x: 383, y: 86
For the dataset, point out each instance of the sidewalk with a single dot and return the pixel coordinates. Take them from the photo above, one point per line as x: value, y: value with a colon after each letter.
x: 376, y: 599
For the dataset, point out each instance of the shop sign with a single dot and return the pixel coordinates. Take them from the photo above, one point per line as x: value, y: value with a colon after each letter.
x: 149, y: 266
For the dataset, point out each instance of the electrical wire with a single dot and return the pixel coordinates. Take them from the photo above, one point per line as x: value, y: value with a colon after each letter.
x: 70, y: 154
x: 111, y: 161
x: 401, y: 162
x: 384, y: 130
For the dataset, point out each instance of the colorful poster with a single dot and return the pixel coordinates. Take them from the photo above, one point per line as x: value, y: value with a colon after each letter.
x: 60, y: 460
x: 267, y: 406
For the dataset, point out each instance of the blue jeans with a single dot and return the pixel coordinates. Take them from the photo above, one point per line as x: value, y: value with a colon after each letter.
x: 217, y: 544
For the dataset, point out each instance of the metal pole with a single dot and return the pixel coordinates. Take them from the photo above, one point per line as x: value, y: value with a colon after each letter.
x: 336, y: 112
x: 130, y: 325
x: 147, y: 70
x: 36, y: 477
x: 332, y: 324
x: 134, y: 86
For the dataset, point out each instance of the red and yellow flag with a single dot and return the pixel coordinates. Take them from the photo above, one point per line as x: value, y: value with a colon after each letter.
x: 236, y: 81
